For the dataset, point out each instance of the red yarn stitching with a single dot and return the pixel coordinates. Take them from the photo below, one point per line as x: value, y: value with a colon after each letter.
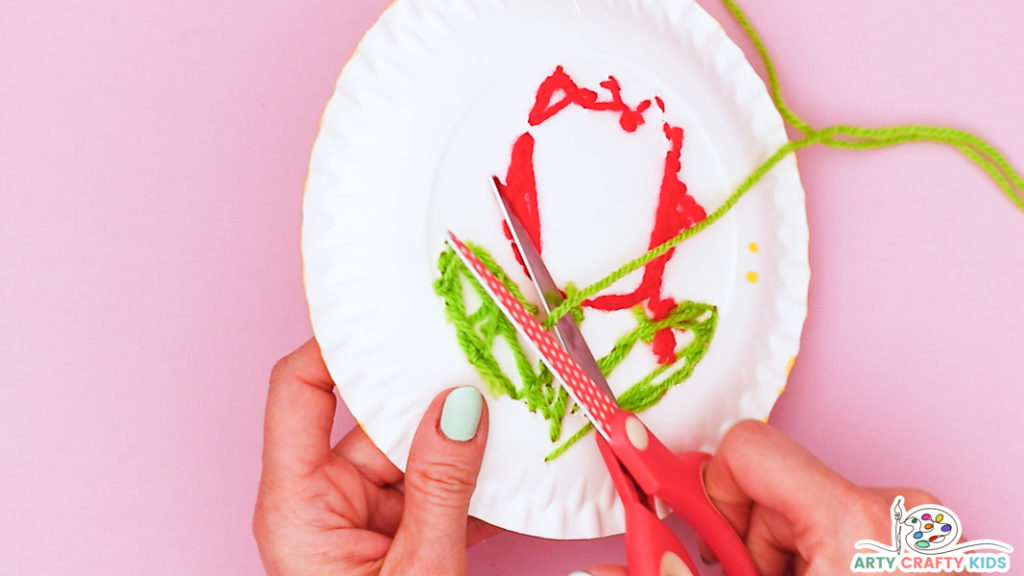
x: 520, y: 190
x: 630, y: 119
x: 677, y: 210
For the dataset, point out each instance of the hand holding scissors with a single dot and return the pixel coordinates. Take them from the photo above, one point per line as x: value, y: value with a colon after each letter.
x: 641, y: 467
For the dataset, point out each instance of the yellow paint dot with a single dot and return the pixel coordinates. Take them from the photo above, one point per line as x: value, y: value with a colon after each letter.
x: 753, y: 247
x: 789, y: 365
x: 752, y: 277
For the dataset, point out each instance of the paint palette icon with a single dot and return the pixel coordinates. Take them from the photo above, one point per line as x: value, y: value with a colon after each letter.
x: 931, y: 529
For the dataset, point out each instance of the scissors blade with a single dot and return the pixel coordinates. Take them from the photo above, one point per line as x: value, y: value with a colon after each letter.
x: 599, y: 407
x: 566, y: 329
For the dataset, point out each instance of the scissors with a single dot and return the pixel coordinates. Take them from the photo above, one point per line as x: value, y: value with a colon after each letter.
x: 641, y: 467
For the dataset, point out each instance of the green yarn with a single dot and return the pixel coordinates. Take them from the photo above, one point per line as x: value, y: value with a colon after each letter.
x: 700, y: 320
x: 480, y: 331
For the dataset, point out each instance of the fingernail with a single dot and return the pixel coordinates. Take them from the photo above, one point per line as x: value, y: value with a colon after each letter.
x: 578, y: 573
x: 460, y: 415
x: 673, y: 565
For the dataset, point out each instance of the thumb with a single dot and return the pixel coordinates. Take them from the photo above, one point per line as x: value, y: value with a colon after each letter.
x: 439, y: 480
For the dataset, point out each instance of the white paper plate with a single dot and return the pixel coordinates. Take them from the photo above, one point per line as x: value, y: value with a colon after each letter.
x: 427, y: 110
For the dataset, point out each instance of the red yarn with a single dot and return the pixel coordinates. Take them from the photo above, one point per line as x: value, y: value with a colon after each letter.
x: 629, y: 118
x: 520, y: 190
x: 677, y: 210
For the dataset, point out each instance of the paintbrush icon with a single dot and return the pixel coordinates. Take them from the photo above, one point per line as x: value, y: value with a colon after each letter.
x: 897, y: 514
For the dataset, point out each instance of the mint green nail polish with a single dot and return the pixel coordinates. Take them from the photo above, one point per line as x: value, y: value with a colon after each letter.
x: 460, y: 415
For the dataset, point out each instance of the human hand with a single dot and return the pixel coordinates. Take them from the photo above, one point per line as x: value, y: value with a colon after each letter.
x: 796, y: 515
x: 350, y: 511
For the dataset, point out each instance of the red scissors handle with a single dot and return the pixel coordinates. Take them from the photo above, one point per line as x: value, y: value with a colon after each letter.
x: 652, y: 549
x: 678, y: 481
x: 635, y: 455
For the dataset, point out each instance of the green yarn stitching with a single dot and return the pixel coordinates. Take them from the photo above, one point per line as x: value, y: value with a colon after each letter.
x: 697, y: 319
x: 478, y: 332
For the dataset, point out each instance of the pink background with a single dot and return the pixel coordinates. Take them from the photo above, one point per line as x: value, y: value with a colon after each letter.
x: 152, y: 158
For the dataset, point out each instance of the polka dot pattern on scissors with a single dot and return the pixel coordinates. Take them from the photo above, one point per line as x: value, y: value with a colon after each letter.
x: 594, y: 401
